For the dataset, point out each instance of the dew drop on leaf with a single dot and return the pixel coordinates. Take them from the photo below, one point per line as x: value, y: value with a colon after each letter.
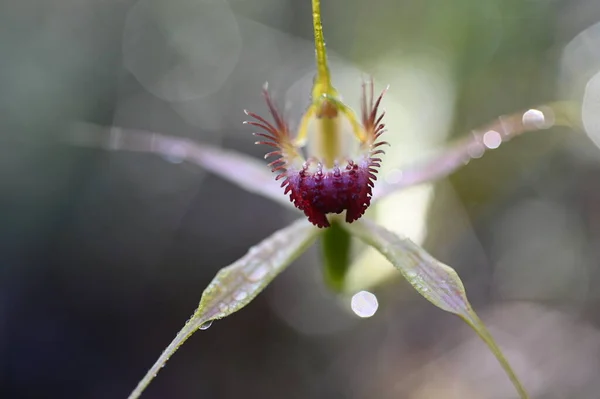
x: 176, y: 154
x: 223, y: 307
x: 240, y: 295
x: 206, y: 325
x: 259, y: 273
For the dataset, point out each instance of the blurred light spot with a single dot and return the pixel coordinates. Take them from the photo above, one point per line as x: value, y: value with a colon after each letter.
x: 182, y: 49
x: 580, y: 61
x: 475, y: 150
x: 580, y: 77
x: 536, y: 118
x: 364, y: 304
x: 176, y: 154
x: 492, y: 139
x: 268, y: 53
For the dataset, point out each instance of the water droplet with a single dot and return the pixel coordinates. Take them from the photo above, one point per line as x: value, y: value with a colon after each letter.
x: 258, y: 273
x: 223, y: 307
x: 411, y: 274
x: 253, y: 250
x: 240, y: 295
x: 364, y: 304
x: 206, y: 325
x: 475, y: 150
x: 492, y: 139
x: 176, y: 153
x: 535, y: 118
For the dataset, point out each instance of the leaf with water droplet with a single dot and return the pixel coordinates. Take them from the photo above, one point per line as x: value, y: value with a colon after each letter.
x: 435, y: 281
x: 205, y: 326
x: 248, y: 173
x: 460, y: 152
x: 336, y: 245
x: 236, y: 285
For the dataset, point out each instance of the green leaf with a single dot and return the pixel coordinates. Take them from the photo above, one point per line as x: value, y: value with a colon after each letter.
x: 236, y: 285
x: 336, y: 244
x: 437, y: 282
x: 248, y: 173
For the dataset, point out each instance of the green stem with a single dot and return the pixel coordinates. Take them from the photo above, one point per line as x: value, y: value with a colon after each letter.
x: 323, y: 80
x: 485, y: 335
x: 190, y: 327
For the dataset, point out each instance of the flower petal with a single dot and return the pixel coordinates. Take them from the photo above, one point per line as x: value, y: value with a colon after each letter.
x: 242, y: 170
x: 474, y: 146
x: 435, y: 281
x: 236, y: 285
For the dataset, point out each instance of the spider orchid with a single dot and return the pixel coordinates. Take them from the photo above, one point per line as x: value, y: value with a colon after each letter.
x: 331, y: 179
x: 326, y: 168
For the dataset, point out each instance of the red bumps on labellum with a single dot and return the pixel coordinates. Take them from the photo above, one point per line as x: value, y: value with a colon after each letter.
x: 334, y: 191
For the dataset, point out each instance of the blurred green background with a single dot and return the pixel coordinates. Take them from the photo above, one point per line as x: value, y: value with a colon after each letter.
x: 104, y: 255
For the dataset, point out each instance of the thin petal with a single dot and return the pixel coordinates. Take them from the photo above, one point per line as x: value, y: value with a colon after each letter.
x: 435, y: 281
x: 236, y: 285
x: 475, y: 145
x: 242, y: 170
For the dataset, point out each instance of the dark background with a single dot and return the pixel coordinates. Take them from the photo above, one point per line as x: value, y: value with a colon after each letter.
x: 104, y: 255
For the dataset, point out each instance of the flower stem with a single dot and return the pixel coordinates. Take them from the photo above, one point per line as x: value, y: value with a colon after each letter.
x: 323, y: 79
x: 190, y: 327
x: 477, y: 325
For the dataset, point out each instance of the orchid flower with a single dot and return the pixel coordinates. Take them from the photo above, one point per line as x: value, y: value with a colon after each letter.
x: 326, y: 168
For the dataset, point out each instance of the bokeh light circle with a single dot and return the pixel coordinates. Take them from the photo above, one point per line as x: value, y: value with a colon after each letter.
x: 181, y: 49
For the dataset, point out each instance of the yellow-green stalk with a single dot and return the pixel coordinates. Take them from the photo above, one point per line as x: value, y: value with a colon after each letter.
x: 325, y: 104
